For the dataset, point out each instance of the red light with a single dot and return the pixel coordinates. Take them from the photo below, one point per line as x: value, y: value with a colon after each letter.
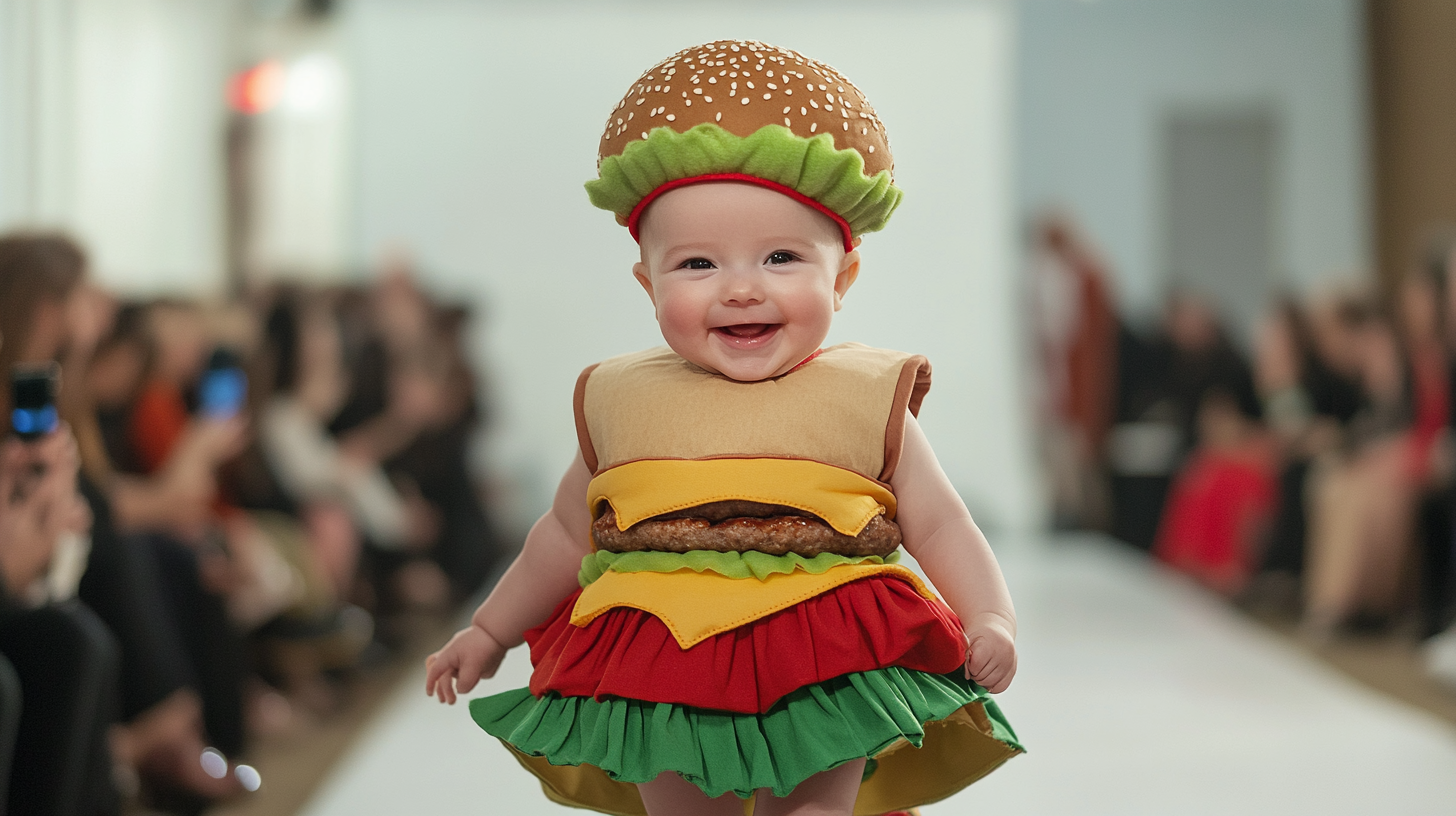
x: 256, y: 89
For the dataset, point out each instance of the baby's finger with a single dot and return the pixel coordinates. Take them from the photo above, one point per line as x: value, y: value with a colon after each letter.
x: 471, y: 666
x: 434, y: 667
x: 978, y: 660
x: 991, y: 677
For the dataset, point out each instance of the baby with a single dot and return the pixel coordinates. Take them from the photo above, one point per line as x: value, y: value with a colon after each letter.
x: 713, y: 602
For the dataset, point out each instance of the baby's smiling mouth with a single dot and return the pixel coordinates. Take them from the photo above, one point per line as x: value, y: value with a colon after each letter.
x: 747, y: 335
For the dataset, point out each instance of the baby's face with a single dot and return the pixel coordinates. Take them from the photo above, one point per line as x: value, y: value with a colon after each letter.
x: 745, y: 280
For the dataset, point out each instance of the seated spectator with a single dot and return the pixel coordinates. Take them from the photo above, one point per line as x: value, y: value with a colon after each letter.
x: 58, y: 680
x: 1162, y: 384
x: 1223, y: 499
x: 165, y: 626
x: 1362, y: 495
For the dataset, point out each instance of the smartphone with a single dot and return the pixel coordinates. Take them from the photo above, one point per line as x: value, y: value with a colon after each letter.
x: 223, y: 390
x: 33, y: 400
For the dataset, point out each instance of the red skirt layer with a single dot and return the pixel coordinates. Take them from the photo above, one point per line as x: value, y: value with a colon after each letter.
x: 872, y: 623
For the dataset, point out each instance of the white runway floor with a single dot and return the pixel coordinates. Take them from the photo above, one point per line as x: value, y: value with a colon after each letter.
x: 1137, y: 694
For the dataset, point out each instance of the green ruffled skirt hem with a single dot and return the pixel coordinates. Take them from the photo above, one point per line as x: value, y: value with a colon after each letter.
x: 813, y: 729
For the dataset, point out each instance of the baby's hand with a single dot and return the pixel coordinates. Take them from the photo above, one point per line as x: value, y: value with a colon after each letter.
x: 471, y: 656
x: 991, y: 653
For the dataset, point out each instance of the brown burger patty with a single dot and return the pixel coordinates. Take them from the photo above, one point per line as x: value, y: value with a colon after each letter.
x: 737, y: 526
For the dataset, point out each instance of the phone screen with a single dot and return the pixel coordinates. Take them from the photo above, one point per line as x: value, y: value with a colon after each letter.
x: 33, y: 401
x: 223, y: 392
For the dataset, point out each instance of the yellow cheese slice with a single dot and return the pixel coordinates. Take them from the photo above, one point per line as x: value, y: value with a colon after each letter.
x: 649, y: 487
x: 697, y: 605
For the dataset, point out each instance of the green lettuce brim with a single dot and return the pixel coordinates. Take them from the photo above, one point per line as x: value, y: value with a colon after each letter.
x: 813, y: 729
x: 811, y: 166
x: 731, y: 564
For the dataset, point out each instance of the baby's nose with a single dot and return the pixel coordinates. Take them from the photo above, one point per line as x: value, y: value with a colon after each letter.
x: 742, y: 288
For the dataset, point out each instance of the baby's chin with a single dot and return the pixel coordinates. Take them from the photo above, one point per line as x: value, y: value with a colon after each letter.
x: 761, y: 364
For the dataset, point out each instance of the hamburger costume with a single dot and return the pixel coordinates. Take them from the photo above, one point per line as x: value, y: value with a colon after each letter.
x: 742, y: 620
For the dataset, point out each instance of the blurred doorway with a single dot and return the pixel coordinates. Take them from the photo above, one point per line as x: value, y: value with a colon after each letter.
x: 1218, y: 193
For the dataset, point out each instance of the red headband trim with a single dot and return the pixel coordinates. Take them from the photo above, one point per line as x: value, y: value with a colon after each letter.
x: 636, y: 214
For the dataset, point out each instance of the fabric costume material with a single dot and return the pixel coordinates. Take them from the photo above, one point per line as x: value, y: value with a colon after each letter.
x: 744, y: 671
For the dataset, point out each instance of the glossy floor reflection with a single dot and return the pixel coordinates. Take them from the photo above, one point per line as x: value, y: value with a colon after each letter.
x: 1137, y: 694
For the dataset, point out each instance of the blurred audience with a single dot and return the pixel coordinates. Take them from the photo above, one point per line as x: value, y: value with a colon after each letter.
x: 200, y: 551
x: 1314, y: 476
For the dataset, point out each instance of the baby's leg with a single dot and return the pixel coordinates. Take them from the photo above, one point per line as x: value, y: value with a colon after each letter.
x: 671, y: 795
x: 831, y: 793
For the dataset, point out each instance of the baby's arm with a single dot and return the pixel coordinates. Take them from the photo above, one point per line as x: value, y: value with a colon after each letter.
x: 940, y: 534
x: 543, y: 574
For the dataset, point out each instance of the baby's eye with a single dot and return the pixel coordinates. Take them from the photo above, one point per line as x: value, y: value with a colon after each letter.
x: 696, y: 263
x: 782, y: 257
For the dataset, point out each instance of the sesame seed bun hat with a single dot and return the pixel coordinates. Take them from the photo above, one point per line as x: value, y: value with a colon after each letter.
x: 741, y: 110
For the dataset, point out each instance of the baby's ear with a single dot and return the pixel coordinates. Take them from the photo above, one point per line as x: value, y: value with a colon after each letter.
x: 848, y: 273
x: 639, y: 271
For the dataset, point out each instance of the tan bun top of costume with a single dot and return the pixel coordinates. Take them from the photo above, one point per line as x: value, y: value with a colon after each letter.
x: 742, y: 85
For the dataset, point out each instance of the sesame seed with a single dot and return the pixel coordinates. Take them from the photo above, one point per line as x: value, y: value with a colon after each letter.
x: 846, y: 126
x: 698, y: 91
x: 750, y: 84
x: 767, y: 97
x: 745, y: 100
x: 689, y: 103
x: 712, y: 80
x: 671, y: 118
x: 803, y: 111
x: 772, y: 87
x: 733, y: 74
x: 733, y: 84
x: 787, y: 109
x: 872, y: 148
x: 814, y: 103
x: 718, y: 117
x: 619, y: 120
x: 708, y: 99
x: 770, y: 73
x: 789, y: 91
x: 733, y: 92
x: 828, y: 96
x: 787, y: 123
x: 813, y: 126
x: 864, y: 131
x: 666, y: 88
x: 644, y: 134
x: 828, y: 106
x: 822, y: 88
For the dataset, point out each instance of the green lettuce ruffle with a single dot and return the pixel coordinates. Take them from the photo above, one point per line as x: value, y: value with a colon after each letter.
x: 811, y: 166
x: 731, y: 564
x: 811, y: 730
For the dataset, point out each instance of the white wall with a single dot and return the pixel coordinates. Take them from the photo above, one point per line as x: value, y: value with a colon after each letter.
x: 111, y: 116
x: 477, y: 125
x: 1094, y: 79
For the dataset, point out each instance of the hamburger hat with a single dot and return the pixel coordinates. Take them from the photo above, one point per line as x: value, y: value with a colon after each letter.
x: 741, y: 110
